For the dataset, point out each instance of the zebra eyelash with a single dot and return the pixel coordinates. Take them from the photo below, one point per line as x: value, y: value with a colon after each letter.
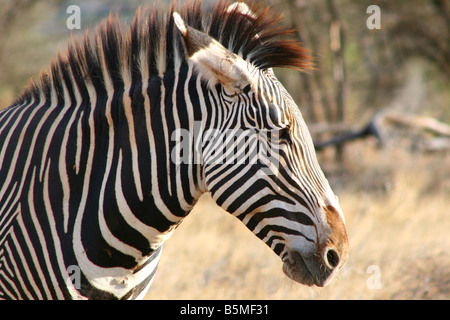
x: 285, y: 135
x: 282, y: 135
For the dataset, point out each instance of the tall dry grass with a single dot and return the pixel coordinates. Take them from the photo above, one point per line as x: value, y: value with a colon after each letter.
x: 397, y: 208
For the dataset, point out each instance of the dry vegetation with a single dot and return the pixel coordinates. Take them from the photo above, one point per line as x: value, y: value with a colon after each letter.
x: 397, y: 212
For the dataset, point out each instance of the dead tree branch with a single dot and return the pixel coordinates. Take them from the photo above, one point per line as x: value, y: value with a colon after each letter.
x: 425, y: 123
x: 373, y: 128
x: 377, y: 129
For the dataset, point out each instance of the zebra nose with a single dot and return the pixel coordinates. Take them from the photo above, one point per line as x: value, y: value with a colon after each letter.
x: 331, y: 258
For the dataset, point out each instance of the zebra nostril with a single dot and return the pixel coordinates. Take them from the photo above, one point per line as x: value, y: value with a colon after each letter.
x: 331, y: 258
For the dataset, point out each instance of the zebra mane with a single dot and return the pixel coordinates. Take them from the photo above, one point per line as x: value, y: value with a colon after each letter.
x: 152, y: 45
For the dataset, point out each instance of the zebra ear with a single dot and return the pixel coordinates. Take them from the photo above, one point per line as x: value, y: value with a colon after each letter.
x: 213, y: 61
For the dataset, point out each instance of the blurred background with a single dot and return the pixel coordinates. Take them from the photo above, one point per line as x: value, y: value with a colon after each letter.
x: 378, y: 107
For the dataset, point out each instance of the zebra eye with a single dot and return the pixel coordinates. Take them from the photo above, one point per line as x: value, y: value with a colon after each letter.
x: 280, y: 136
x: 285, y: 135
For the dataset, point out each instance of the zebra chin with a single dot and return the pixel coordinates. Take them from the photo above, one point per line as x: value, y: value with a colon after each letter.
x: 308, y: 271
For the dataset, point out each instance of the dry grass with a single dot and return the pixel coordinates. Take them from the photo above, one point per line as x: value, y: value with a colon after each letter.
x: 397, y: 210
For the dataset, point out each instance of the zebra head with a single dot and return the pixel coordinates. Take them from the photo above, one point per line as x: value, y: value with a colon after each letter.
x: 258, y: 157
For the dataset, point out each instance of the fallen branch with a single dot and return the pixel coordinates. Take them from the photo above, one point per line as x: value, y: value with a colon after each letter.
x: 373, y: 128
x: 435, y: 145
x: 425, y: 123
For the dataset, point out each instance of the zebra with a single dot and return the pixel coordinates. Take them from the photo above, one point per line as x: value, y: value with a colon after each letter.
x: 87, y: 183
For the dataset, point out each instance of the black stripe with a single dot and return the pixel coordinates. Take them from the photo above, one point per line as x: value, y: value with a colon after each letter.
x: 299, y: 217
x: 264, y: 231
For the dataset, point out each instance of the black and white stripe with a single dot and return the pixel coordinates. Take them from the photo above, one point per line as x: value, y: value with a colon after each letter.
x: 88, y: 187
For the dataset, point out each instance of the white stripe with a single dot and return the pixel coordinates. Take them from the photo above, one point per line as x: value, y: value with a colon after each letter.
x: 19, y: 145
x: 79, y: 143
x: 15, y: 272
x: 11, y: 112
x: 179, y: 188
x: 5, y: 215
x: 40, y: 233
x: 35, y: 260
x: 50, y: 133
x: 154, y: 174
x: 63, y: 173
x: 198, y: 144
x: 23, y: 263
x: 132, y: 137
x: 165, y: 134
x: 148, y: 270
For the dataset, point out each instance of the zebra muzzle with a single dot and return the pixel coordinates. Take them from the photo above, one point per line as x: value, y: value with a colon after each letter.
x: 315, y: 270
